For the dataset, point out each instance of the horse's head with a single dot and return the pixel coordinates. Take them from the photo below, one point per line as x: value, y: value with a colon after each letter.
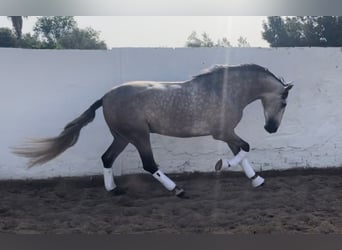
x: 274, y: 106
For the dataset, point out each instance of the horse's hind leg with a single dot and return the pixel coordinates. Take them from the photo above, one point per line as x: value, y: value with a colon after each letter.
x: 143, y: 145
x: 108, y: 158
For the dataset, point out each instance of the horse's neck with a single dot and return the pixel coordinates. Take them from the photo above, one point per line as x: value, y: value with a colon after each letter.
x: 244, y: 94
x: 252, y: 96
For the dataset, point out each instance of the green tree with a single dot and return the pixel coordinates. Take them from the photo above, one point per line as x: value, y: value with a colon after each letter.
x: 29, y: 41
x: 275, y: 32
x: 242, y: 42
x: 193, y: 40
x: 81, y: 39
x: 61, y: 32
x: 223, y: 42
x: 303, y: 31
x: 7, y: 38
x: 52, y: 28
x: 205, y: 41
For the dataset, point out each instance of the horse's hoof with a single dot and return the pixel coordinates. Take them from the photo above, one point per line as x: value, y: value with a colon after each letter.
x: 218, y: 166
x: 258, y: 182
x: 180, y: 193
x: 118, y: 191
x: 183, y: 196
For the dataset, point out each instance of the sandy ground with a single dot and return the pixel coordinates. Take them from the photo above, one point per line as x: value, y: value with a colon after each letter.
x: 296, y: 201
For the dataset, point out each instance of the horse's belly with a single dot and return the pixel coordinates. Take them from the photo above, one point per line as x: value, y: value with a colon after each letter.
x: 179, y: 128
x: 180, y: 133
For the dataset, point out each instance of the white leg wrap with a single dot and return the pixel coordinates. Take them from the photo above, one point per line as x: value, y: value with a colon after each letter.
x: 108, y: 179
x: 225, y: 163
x: 163, y: 179
x: 258, y: 181
x: 247, y: 168
x: 250, y: 173
x: 238, y: 158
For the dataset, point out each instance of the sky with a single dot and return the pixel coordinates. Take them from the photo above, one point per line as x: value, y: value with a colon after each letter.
x: 164, y: 31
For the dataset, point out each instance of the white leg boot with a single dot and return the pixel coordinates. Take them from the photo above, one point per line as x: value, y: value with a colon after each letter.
x: 250, y: 173
x: 169, y: 184
x: 225, y: 163
x: 163, y: 179
x: 108, y: 179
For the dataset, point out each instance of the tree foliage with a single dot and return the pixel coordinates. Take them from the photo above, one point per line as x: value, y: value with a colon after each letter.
x: 82, y: 39
x: 7, y: 38
x: 53, y: 32
x: 194, y: 41
x: 318, y: 31
x: 205, y: 41
x: 29, y: 41
x: 51, y: 29
x: 242, y: 42
x: 223, y: 42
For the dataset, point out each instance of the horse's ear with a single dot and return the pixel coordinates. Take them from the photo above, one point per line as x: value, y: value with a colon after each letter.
x: 288, y: 86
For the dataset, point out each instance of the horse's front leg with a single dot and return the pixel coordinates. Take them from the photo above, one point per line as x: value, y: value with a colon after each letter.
x: 240, y: 149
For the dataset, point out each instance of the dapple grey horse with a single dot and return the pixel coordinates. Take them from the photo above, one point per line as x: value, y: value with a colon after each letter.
x: 210, y: 103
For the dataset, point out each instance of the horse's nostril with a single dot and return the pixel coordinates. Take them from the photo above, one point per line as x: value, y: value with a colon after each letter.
x: 272, y: 131
x: 271, y: 127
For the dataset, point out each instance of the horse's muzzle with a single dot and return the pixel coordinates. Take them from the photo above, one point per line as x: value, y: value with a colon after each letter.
x: 271, y: 127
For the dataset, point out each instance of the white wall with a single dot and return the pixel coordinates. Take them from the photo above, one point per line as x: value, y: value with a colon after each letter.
x: 42, y: 90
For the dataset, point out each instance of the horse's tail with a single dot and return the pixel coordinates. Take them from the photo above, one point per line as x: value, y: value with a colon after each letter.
x: 43, y: 150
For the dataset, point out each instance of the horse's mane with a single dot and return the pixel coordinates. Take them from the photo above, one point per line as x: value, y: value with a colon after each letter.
x: 243, y: 67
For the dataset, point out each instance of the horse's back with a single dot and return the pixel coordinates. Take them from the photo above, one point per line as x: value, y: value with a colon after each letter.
x: 130, y: 89
x: 131, y: 102
x: 168, y: 108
